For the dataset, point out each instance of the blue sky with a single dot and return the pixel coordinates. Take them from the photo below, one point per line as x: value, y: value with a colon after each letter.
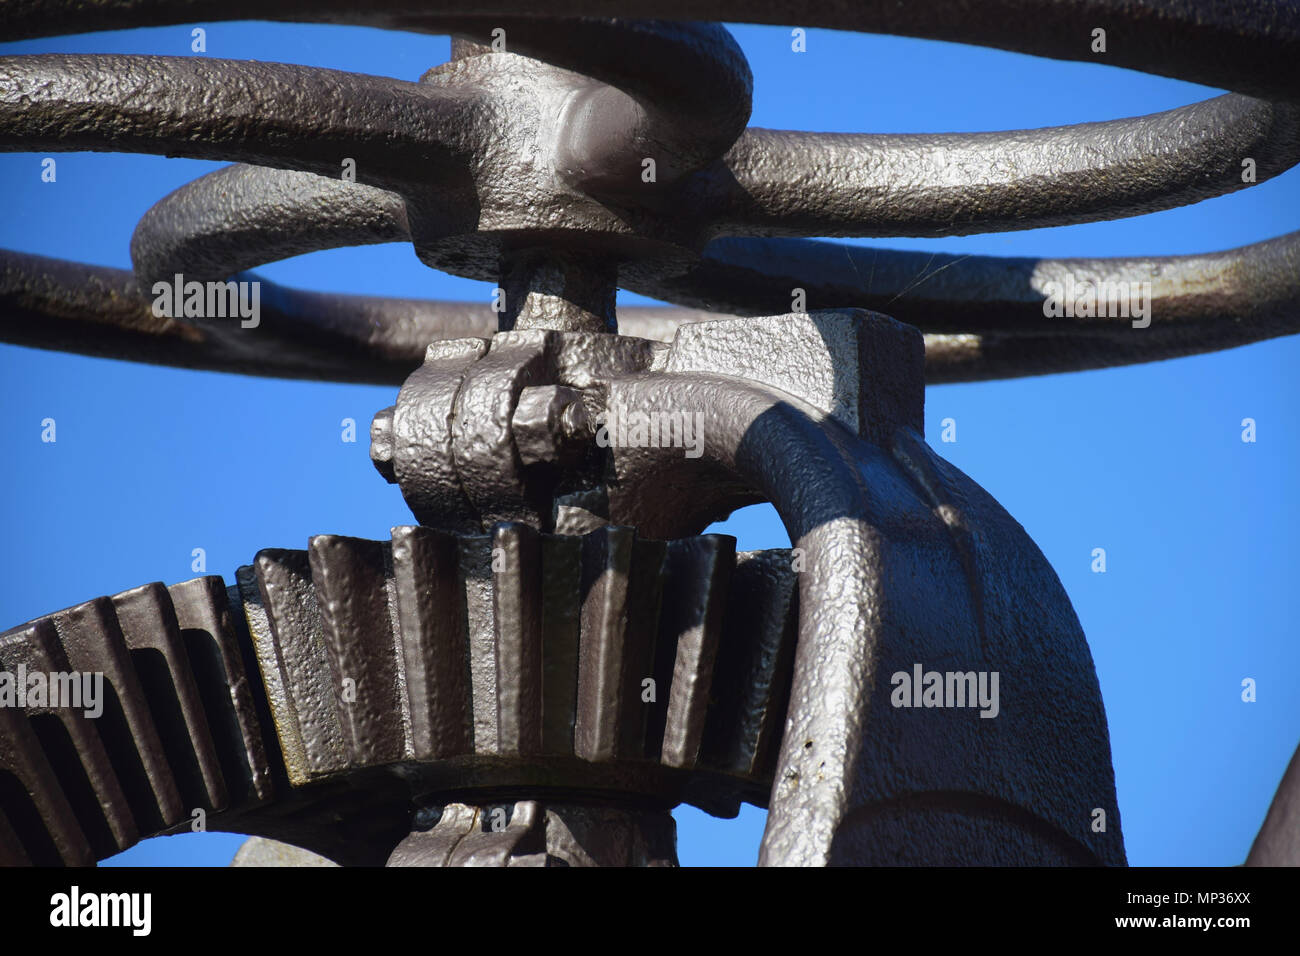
x: 1145, y: 461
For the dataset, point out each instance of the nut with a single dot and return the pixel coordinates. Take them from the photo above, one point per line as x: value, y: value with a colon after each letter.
x: 550, y: 424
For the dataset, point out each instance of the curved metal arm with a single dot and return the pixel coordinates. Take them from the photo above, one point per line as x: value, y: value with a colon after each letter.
x: 1215, y: 301
x: 265, y: 113
x: 787, y: 183
x: 885, y: 534
x: 1252, y: 49
x: 987, y: 312
x: 823, y: 501
x: 95, y: 310
x: 241, y: 217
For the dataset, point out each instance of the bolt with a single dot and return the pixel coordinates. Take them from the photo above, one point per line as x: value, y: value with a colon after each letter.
x: 550, y: 424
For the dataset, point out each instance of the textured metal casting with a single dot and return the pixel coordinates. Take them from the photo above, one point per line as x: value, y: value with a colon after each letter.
x: 447, y: 163
x: 607, y: 671
x: 558, y: 655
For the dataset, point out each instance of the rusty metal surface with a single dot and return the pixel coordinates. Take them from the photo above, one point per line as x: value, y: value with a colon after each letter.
x: 558, y: 657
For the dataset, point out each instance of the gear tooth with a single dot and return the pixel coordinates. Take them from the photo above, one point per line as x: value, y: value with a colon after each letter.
x: 276, y: 777
x: 698, y: 572
x: 606, y: 568
x: 210, y: 633
x: 751, y: 677
x: 93, y: 641
x: 150, y: 629
x: 285, y: 738
x: 307, y: 718
x: 510, y: 645
x: 82, y: 766
x: 351, y: 580
x: 431, y: 615
x: 475, y: 562
x: 12, y: 852
x: 780, y: 676
x: 38, y: 825
x: 517, y: 580
x: 561, y: 626
x: 644, y: 598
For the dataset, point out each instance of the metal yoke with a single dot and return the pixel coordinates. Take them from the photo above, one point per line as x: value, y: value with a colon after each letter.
x: 902, y: 563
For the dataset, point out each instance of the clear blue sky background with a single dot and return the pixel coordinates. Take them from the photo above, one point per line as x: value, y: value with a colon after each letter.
x: 1145, y: 461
